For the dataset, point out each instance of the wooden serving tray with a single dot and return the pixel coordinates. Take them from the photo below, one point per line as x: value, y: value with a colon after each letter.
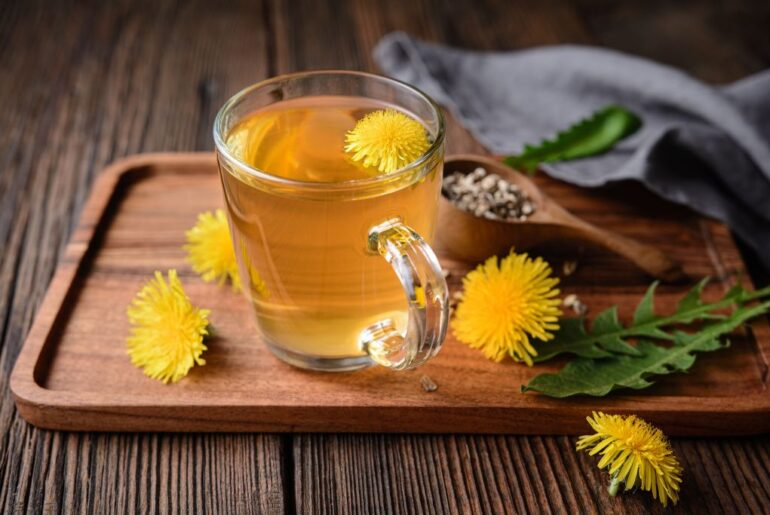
x: 73, y: 372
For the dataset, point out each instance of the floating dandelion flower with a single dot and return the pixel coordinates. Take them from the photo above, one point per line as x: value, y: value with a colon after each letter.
x: 503, y: 305
x: 167, y: 335
x: 634, y: 453
x: 258, y: 286
x: 210, y: 249
x: 387, y: 140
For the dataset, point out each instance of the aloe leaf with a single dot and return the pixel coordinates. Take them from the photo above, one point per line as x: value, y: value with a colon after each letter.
x: 590, y: 136
x: 601, y: 376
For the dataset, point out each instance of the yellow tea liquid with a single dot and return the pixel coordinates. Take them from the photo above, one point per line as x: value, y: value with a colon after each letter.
x: 313, y: 285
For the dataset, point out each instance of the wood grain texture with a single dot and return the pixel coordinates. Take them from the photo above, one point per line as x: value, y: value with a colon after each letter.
x: 85, y: 83
x: 81, y: 85
x: 72, y: 374
x: 507, y: 474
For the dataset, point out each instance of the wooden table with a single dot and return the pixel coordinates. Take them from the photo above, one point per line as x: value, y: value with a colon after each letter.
x: 84, y: 84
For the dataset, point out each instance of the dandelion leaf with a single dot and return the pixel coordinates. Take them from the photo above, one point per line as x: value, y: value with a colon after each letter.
x: 598, y: 377
x: 607, y: 331
x: 609, y: 337
x: 645, y: 311
x: 590, y: 136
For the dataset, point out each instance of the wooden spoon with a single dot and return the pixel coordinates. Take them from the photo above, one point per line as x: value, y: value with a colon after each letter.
x: 472, y: 238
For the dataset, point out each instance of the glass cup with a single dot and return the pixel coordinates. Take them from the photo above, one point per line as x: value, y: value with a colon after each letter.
x: 339, y: 274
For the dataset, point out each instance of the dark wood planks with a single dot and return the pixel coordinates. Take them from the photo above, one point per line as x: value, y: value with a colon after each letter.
x: 145, y: 473
x: 506, y: 474
x: 82, y: 84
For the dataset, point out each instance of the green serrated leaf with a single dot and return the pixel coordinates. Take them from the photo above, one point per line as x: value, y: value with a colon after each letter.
x: 608, y: 335
x: 606, y: 331
x: 692, y: 299
x: 590, y: 136
x: 691, y: 302
x: 600, y: 377
x: 645, y: 311
x: 573, y: 338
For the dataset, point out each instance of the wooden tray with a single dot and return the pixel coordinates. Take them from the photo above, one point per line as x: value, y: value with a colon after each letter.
x: 74, y: 374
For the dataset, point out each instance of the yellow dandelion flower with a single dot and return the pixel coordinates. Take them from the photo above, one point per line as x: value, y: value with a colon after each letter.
x: 167, y: 334
x: 419, y: 296
x: 503, y: 306
x: 387, y: 140
x: 210, y: 249
x: 634, y: 453
x: 258, y: 286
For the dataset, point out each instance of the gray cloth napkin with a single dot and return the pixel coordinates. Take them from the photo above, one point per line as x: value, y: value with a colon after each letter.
x: 703, y: 146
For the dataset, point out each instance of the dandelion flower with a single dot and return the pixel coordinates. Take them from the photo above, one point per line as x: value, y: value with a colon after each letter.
x: 503, y: 306
x: 419, y: 296
x: 387, y: 140
x: 634, y: 453
x: 258, y: 286
x: 210, y: 249
x: 167, y: 335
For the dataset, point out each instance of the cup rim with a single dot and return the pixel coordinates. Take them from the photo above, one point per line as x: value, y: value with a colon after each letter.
x: 265, y: 175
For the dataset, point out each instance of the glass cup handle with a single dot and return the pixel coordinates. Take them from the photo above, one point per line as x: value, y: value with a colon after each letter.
x: 420, y: 274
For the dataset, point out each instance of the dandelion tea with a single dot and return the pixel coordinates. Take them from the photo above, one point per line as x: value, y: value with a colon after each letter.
x: 313, y: 284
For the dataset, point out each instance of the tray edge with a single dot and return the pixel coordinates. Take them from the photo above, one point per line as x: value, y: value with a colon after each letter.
x: 30, y: 397
x: 35, y: 405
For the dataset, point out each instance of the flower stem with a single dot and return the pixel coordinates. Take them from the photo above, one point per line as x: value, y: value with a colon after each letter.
x: 613, y: 488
